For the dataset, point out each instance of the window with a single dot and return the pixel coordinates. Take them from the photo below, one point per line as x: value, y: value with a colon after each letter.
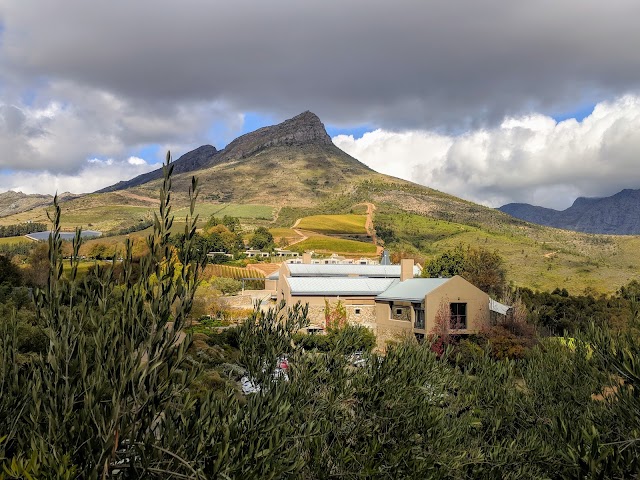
x: 419, y: 315
x: 357, y: 311
x: 458, y: 316
x: 398, y: 311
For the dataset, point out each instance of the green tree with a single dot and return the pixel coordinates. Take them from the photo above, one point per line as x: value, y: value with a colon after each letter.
x: 482, y: 267
x: 226, y: 286
x: 448, y: 264
x: 485, y: 269
x: 261, y: 239
x: 9, y: 272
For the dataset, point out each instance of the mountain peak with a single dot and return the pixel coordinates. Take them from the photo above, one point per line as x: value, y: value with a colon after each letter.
x: 303, y: 129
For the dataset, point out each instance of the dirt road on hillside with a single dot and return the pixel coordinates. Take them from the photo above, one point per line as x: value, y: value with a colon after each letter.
x: 371, y: 231
x: 299, y: 232
x: 368, y: 225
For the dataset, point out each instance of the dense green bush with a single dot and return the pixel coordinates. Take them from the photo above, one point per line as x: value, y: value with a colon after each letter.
x: 466, y: 353
x: 319, y: 342
x: 226, y: 286
x: 121, y: 393
x: 345, y: 340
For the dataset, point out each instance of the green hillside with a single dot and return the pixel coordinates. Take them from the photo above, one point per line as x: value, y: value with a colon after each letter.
x: 270, y: 180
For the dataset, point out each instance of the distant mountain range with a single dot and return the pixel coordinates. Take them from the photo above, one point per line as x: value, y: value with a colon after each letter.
x: 618, y: 214
x: 12, y: 203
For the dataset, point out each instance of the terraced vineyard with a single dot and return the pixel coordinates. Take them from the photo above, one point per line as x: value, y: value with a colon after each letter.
x: 324, y: 244
x: 229, y: 271
x: 335, y: 224
x: 237, y: 273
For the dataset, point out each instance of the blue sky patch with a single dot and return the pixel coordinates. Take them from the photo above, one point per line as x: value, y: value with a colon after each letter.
x: 579, y: 113
x: 149, y: 152
x: 357, y: 131
x: 254, y: 121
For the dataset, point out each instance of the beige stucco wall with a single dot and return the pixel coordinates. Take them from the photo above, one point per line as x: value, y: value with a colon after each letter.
x: 271, y: 285
x: 281, y: 283
x: 391, y: 326
x: 458, y: 290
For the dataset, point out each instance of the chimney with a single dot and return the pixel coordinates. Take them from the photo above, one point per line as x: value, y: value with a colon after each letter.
x: 306, y: 258
x: 406, y: 269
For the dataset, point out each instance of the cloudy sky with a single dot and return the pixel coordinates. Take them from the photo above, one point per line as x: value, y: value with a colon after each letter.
x: 496, y: 101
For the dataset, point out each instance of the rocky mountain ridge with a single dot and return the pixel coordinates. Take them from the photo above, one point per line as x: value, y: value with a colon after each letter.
x: 618, y: 214
x: 302, y: 130
x: 189, y: 162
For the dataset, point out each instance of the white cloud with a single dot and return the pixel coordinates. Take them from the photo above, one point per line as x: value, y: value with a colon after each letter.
x: 69, y: 123
x: 136, y: 161
x: 529, y: 159
x: 94, y: 175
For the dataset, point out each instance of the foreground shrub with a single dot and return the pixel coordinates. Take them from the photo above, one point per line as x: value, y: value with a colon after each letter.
x: 120, y: 393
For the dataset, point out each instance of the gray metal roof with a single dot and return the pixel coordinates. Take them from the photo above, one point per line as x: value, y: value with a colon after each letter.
x: 274, y: 276
x: 339, y: 286
x: 498, y: 307
x: 319, y: 270
x: 44, y: 236
x: 413, y: 290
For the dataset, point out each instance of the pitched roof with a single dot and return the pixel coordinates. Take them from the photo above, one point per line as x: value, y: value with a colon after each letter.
x: 335, y: 286
x: 274, y: 276
x: 344, y: 270
x: 413, y: 289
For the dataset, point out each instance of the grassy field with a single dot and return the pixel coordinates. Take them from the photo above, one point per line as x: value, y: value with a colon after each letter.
x: 337, y: 224
x: 540, y: 259
x: 419, y: 231
x: 102, y: 218
x: 324, y: 244
x: 106, y: 218
x: 14, y: 240
x: 249, y: 211
x: 288, y: 234
x: 83, y: 267
x: 359, y: 209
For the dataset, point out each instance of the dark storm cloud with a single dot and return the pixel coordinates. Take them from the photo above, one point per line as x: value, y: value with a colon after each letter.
x: 85, y: 86
x: 399, y: 64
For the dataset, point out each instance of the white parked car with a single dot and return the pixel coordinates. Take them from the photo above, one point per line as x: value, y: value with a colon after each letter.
x: 249, y: 385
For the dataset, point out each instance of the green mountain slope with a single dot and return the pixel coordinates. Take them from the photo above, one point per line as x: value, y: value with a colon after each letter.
x: 275, y: 175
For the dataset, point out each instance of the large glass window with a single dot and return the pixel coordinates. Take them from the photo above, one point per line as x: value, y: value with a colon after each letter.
x: 458, y: 316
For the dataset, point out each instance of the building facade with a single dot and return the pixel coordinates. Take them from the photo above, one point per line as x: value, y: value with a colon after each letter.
x: 386, y: 298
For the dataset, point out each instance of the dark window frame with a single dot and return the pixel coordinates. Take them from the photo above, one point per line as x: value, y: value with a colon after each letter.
x: 458, y: 316
x: 419, y: 315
